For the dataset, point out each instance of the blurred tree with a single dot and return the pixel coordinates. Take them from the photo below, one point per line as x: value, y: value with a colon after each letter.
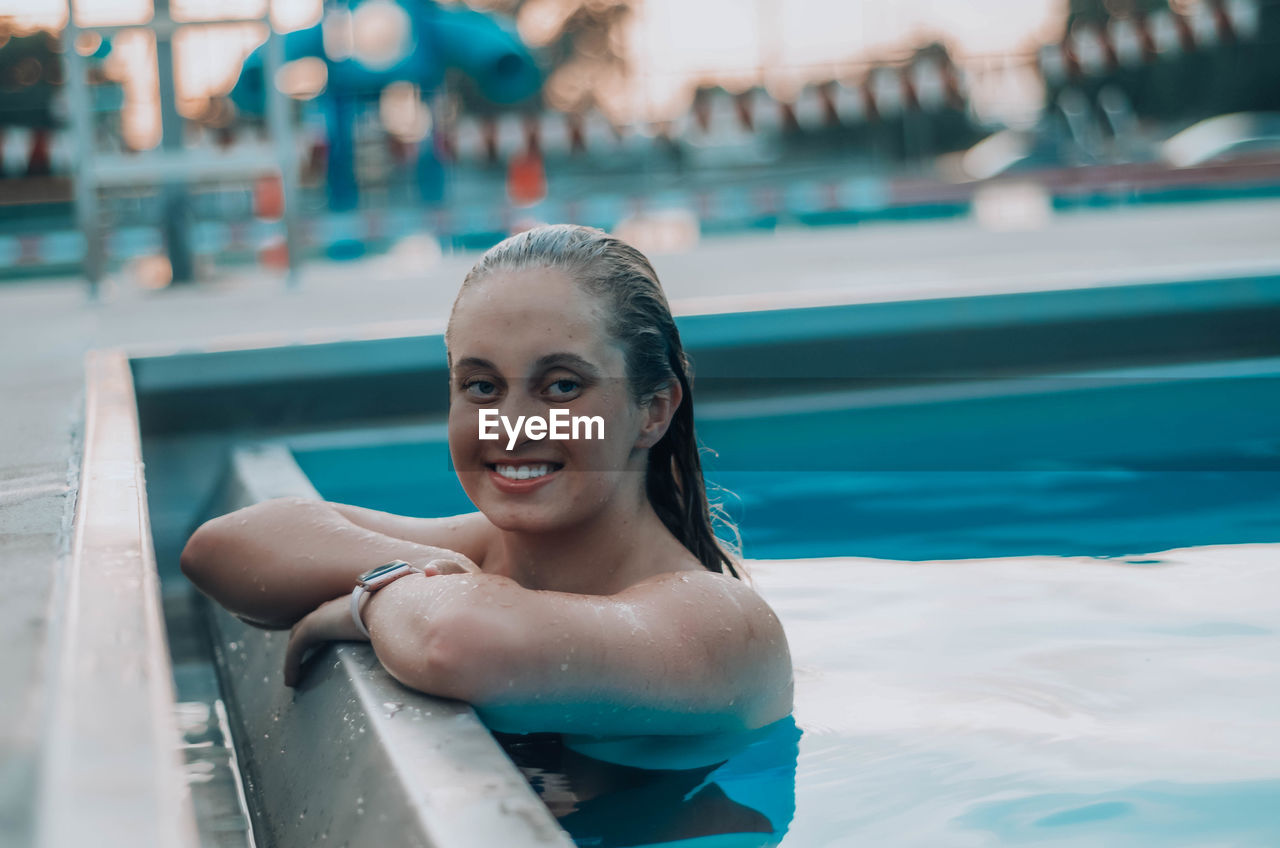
x: 581, y: 43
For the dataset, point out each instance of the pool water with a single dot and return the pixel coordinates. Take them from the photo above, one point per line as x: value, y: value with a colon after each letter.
x: 1089, y: 686
x: 1101, y: 464
x: 748, y: 798
x: 909, y: 515
x: 1036, y: 701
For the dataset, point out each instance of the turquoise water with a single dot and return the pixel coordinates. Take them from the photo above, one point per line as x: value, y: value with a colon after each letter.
x: 1091, y: 688
x: 1107, y: 465
x: 909, y: 515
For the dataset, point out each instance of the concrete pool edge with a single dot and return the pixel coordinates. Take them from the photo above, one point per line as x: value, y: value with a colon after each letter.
x: 316, y: 382
x: 111, y: 771
x: 400, y: 767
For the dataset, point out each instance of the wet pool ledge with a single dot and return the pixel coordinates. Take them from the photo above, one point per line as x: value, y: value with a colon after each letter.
x: 111, y: 771
x: 352, y: 757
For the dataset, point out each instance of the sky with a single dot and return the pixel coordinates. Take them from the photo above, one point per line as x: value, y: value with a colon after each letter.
x: 671, y: 43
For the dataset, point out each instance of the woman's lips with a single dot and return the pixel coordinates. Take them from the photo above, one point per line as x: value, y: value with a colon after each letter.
x: 517, y: 485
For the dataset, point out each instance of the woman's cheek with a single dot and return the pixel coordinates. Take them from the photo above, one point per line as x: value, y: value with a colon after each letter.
x: 464, y: 436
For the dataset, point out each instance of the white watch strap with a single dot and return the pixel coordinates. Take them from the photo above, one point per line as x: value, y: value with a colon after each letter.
x: 356, y: 594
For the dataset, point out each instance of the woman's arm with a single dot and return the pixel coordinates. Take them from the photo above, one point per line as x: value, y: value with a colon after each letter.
x: 274, y: 562
x: 685, y: 652
x: 465, y: 534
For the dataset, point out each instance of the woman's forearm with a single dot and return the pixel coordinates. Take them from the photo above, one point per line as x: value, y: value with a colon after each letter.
x: 274, y: 562
x: 429, y: 631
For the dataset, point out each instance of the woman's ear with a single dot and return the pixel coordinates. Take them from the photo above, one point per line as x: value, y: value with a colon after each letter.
x: 658, y: 414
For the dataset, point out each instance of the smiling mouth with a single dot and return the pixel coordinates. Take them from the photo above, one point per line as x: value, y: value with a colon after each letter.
x: 524, y: 471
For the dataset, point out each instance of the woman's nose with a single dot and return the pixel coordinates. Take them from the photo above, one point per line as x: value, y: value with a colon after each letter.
x: 521, y: 403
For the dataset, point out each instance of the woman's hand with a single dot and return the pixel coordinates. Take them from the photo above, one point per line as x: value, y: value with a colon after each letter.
x: 329, y: 622
x: 332, y: 622
x: 445, y: 561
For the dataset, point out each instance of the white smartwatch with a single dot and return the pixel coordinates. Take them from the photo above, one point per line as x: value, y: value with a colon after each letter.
x: 373, y: 580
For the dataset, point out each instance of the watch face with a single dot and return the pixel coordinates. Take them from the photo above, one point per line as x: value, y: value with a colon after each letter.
x: 375, y: 576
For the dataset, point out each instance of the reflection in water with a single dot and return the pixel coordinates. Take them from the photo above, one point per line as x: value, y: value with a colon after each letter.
x: 1236, y: 813
x: 749, y: 796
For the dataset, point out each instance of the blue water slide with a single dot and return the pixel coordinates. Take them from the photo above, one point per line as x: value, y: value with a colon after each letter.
x: 484, y: 47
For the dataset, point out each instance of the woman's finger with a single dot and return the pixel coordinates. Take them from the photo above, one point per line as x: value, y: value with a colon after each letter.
x: 329, y: 622
x: 459, y: 562
x: 448, y: 566
x: 299, y: 641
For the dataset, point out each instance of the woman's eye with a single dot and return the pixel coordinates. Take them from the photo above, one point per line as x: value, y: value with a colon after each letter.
x: 564, y: 386
x: 480, y: 389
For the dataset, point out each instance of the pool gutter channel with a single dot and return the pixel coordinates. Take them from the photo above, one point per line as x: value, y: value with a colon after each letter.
x: 352, y: 756
x: 112, y: 773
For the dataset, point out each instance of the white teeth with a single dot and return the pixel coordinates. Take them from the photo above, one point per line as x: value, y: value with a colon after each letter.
x: 522, y: 472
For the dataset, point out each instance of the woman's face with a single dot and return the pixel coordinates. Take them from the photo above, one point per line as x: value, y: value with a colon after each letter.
x: 524, y: 343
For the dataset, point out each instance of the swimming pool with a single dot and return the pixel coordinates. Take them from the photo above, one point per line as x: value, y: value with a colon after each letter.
x: 1090, y: 686
x: 1025, y: 699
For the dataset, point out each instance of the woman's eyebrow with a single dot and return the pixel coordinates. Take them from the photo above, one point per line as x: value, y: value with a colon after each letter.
x: 571, y: 360
x: 474, y: 362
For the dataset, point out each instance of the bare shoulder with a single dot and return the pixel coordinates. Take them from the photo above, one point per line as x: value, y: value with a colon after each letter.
x: 470, y: 533
x: 720, y: 637
x: 701, y: 595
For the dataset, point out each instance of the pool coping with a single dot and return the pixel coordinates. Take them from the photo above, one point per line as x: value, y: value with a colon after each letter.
x: 111, y: 771
x: 402, y: 347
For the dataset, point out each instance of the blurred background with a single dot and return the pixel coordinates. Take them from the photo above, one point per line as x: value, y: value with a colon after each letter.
x: 176, y: 138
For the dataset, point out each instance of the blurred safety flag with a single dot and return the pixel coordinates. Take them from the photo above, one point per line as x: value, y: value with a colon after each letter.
x: 526, y: 178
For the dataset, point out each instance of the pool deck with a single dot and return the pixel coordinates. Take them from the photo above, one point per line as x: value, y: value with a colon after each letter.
x: 48, y: 326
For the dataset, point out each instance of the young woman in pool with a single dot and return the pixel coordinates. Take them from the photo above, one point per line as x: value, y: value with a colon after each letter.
x: 588, y: 594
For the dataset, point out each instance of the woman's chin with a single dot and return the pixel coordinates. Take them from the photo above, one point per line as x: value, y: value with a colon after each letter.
x: 524, y: 521
x: 524, y: 517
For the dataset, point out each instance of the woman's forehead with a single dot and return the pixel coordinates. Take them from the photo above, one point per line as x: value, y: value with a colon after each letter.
x: 511, y: 317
